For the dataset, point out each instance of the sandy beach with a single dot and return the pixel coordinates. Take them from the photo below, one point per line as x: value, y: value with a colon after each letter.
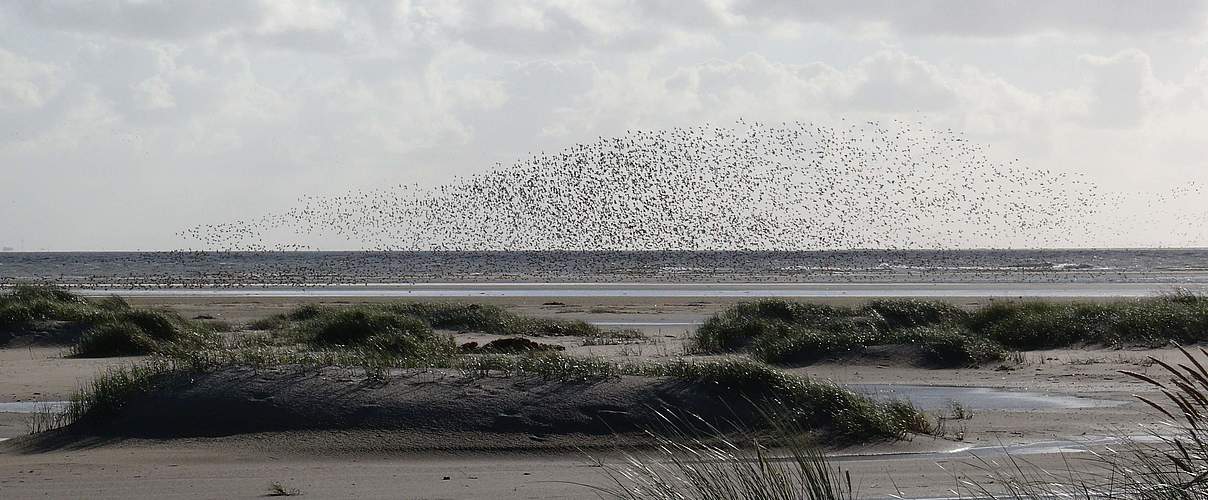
x: 1047, y: 405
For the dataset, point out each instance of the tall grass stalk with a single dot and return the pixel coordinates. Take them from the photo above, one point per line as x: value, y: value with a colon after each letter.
x: 1169, y: 462
x: 682, y: 465
x: 106, y: 394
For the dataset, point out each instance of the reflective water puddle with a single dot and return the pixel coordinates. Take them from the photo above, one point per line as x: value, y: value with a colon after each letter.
x: 33, y: 406
x: 927, y: 397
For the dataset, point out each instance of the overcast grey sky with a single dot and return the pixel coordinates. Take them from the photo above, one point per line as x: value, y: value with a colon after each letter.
x: 122, y: 122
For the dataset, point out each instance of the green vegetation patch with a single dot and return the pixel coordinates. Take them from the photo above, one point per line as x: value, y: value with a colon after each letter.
x: 138, y: 332
x: 1041, y: 325
x: 784, y: 331
x: 114, y: 338
x: 772, y: 397
x: 107, y: 326
x: 845, y: 415
x: 375, y: 329
x: 938, y: 345
x: 827, y: 408
x: 906, y: 313
x: 448, y: 316
x: 407, y: 328
x: 26, y: 305
x: 108, y: 393
x: 491, y: 319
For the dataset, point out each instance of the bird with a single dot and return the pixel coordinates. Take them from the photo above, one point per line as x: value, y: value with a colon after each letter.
x: 843, y: 200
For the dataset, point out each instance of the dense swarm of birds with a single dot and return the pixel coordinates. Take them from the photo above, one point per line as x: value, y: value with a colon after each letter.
x: 752, y: 186
x: 751, y: 202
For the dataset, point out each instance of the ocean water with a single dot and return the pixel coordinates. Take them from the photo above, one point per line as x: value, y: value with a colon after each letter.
x: 218, y: 270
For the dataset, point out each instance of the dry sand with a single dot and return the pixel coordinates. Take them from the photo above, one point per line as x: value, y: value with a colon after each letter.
x: 326, y: 464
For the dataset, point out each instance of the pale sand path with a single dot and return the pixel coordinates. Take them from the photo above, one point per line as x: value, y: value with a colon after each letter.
x: 185, y: 471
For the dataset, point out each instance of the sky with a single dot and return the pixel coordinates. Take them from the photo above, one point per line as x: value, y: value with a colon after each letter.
x: 124, y: 121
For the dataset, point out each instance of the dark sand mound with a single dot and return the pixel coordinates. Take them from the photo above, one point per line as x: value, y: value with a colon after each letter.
x: 903, y: 355
x: 510, y: 345
x: 41, y: 333
x: 411, y: 410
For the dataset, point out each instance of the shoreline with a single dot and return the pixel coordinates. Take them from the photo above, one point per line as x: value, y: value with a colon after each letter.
x: 816, y: 290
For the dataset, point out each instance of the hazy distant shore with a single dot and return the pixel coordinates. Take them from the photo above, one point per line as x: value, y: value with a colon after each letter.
x: 387, y: 270
x: 657, y: 290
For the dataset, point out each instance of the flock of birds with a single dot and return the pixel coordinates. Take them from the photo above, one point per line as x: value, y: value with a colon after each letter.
x: 753, y: 186
x: 861, y: 202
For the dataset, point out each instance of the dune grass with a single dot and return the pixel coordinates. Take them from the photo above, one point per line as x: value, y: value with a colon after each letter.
x: 1171, y: 462
x: 408, y: 328
x: 1041, y: 325
x: 106, y: 394
x: 1175, y: 463
x: 108, y: 326
x: 843, y: 414
x: 783, y: 331
x: 940, y: 345
x: 825, y: 409
x: 114, y: 338
x: 802, y: 402
x: 140, y: 332
x: 381, y: 337
x: 25, y: 305
x: 450, y: 316
x: 373, y: 329
x: 907, y: 313
x: 681, y: 465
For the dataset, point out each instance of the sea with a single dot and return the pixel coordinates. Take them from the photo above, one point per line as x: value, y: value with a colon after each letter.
x: 1152, y: 268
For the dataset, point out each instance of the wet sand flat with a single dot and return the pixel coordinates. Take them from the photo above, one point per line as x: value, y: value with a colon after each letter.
x: 152, y: 470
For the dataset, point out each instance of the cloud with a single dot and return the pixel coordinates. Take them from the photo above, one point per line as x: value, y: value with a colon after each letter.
x: 1119, y: 89
x: 995, y: 18
x: 26, y: 84
x: 691, y: 14
x: 322, y: 26
x: 883, y: 84
x: 893, y: 82
x: 210, y: 109
x: 493, y: 26
x: 156, y: 19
